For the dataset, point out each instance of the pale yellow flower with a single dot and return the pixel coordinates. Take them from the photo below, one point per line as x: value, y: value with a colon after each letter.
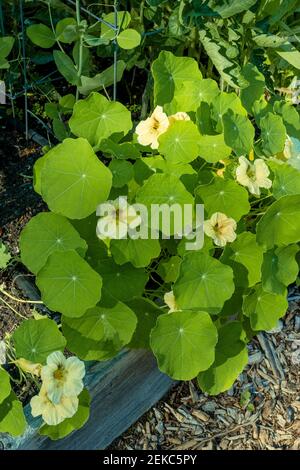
x: 119, y: 218
x: 288, y: 146
x: 170, y: 301
x: 180, y: 116
x: 62, y: 377
x: 53, y: 413
x: 29, y: 367
x: 149, y: 130
x: 220, y: 228
x: 253, y: 175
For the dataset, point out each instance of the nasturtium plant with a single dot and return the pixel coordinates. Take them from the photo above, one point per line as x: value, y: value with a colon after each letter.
x: 35, y: 340
x: 229, y: 159
x: 96, y: 118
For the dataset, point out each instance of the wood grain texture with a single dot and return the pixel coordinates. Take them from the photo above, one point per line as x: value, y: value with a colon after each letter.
x: 121, y: 392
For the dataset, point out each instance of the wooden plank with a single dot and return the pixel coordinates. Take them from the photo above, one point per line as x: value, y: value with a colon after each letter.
x: 121, y: 392
x: 121, y: 389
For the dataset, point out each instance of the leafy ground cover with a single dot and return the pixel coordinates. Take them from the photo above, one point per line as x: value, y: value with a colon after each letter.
x: 214, y: 125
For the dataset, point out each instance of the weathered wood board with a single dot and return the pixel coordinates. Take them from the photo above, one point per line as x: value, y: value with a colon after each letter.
x: 121, y: 389
x: 121, y: 392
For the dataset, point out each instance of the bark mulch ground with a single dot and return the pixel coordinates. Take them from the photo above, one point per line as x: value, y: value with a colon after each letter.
x: 259, y: 412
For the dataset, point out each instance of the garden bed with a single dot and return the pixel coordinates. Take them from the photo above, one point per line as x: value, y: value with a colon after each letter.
x: 163, y: 216
x: 121, y: 389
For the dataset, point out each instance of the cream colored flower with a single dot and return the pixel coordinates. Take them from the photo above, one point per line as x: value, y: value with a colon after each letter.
x: 288, y: 146
x: 119, y: 218
x: 180, y: 116
x: 220, y: 228
x: 52, y: 413
x: 149, y: 130
x: 62, y: 377
x: 253, y: 175
x: 29, y: 367
x: 170, y: 301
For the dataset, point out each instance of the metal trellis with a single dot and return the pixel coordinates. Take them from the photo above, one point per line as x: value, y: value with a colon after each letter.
x: 26, y: 85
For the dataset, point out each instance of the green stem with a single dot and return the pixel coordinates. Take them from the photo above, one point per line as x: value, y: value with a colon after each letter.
x: 80, y: 53
x: 15, y: 299
x: 52, y: 27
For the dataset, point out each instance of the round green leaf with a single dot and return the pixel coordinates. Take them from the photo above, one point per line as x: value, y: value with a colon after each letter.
x: 100, y: 323
x: 73, y: 180
x: 164, y: 189
x: 273, y: 134
x: 189, y: 95
x: 246, y: 252
x: 139, y: 252
x: 37, y: 171
x: 6, y: 45
x: 252, y: 83
x: 66, y: 30
x: 129, y: 39
x: 281, y: 223
x: 169, y: 270
x: 238, y: 133
x: 95, y: 118
x: 286, y: 180
x: 5, y: 385
x: 146, y: 313
x: 279, y: 269
x: 213, y: 148
x: 121, y: 282
x: 70, y: 424
x: 101, y: 332
x: 123, y: 20
x: 224, y: 196
x: 121, y: 151
x: 264, y: 308
x: 224, y: 102
x: 204, y: 283
x: 270, y: 282
x: 287, y: 267
x: 231, y: 358
x: 179, y: 144
x: 122, y: 172
x: 34, y: 340
x: 169, y: 72
x: 41, y: 35
x: 184, y: 343
x: 68, y: 284
x: 12, y: 419
x: 44, y: 234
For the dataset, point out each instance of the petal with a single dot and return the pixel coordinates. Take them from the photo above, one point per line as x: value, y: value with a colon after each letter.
x: 54, y: 391
x: 75, y: 367
x: 106, y: 228
x: 36, y: 404
x: 56, y: 358
x: 68, y: 406
x: 52, y: 416
x: 208, y: 228
x: 73, y: 387
x: 122, y: 230
x: 48, y: 372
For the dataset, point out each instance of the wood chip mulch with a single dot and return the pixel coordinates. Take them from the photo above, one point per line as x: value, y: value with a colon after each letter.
x: 261, y: 411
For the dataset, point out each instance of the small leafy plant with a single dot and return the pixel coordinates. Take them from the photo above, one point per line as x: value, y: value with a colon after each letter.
x: 238, y: 155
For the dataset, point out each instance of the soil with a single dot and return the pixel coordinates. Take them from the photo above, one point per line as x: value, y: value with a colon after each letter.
x: 19, y: 203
